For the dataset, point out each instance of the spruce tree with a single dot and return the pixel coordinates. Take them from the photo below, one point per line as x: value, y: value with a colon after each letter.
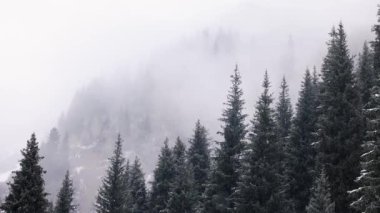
x: 283, y: 118
x: 321, y: 201
x: 26, y: 191
x: 163, y: 179
x: 199, y: 158
x: 365, y: 74
x: 182, y: 194
x: 300, y: 153
x: 127, y: 191
x: 376, y: 45
x: 224, y: 177
x: 65, y: 197
x: 137, y: 189
x: 111, y: 195
x: 368, y: 193
x: 284, y: 112
x: 340, y: 122
x: 259, y: 187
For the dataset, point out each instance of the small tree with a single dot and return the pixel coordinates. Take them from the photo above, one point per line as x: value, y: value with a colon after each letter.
x: 111, y: 195
x: 163, y: 179
x: 181, y: 196
x: 137, y: 189
x: 199, y: 158
x: 65, y: 197
x: 321, y: 199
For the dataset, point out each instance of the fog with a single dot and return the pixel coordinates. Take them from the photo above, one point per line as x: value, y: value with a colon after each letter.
x: 149, y: 69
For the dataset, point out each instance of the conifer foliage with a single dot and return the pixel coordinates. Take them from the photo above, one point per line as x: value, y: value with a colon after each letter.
x: 199, y: 158
x: 284, y: 112
x: 163, y: 179
x: 300, y: 153
x: 340, y: 122
x: 137, y: 189
x: 259, y: 186
x: 26, y: 191
x: 321, y: 199
x: 365, y: 73
x: 225, y: 175
x: 368, y: 193
x: 376, y: 45
x: 65, y: 197
x: 112, y: 193
x: 182, y: 195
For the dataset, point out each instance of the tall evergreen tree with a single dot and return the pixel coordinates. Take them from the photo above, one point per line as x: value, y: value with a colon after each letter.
x: 127, y: 191
x: 26, y: 191
x: 321, y: 199
x: 224, y: 177
x: 163, y: 179
x: 340, y: 122
x: 283, y: 118
x: 284, y: 112
x: 368, y: 193
x: 137, y: 189
x: 111, y: 195
x: 376, y: 45
x: 365, y: 74
x: 300, y: 153
x: 259, y: 187
x: 199, y: 158
x: 182, y: 195
x: 65, y: 197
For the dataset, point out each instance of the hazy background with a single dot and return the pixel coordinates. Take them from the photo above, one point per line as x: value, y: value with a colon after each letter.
x: 49, y: 49
x: 148, y: 68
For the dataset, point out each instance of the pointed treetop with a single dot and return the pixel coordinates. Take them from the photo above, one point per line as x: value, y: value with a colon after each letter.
x: 266, y: 83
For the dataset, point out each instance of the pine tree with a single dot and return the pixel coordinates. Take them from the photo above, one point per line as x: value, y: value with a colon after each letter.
x: 365, y: 74
x: 376, y: 45
x: 127, y: 186
x: 368, y: 192
x: 321, y: 199
x: 340, y: 122
x: 259, y: 187
x: 300, y: 154
x: 284, y: 112
x: 163, y: 179
x: 26, y: 191
x: 199, y: 158
x: 181, y: 196
x: 65, y: 197
x: 223, y: 179
x: 137, y: 189
x: 111, y: 195
x: 283, y: 118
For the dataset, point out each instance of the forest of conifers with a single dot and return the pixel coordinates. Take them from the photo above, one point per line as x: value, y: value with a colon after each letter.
x: 321, y: 156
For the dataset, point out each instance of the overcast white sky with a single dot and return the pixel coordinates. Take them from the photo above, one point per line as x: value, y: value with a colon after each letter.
x: 49, y: 49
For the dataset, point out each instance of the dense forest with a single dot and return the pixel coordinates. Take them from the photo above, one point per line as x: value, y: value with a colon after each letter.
x: 321, y: 156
